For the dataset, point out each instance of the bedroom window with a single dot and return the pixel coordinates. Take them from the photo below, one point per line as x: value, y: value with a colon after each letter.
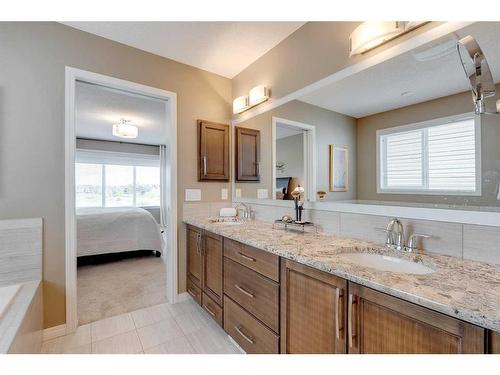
x: 108, y: 179
x: 441, y: 156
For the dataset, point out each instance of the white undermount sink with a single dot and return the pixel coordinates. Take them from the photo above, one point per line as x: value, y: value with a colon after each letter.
x: 229, y: 222
x: 387, y: 263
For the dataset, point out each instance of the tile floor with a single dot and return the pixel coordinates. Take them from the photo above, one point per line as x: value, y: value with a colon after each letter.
x: 181, y: 328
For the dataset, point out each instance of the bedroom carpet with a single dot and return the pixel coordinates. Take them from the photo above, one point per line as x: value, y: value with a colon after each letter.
x: 119, y: 287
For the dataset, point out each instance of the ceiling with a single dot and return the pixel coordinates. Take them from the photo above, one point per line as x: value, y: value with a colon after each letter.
x: 98, y: 108
x: 380, y: 88
x: 224, y: 48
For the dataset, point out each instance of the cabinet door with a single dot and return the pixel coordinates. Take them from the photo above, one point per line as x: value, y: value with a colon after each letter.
x: 194, y: 261
x: 381, y: 324
x: 247, y: 154
x: 213, y: 151
x: 312, y: 310
x: 494, y: 342
x: 212, y: 266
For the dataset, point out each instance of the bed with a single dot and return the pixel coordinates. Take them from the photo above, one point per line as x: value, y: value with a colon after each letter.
x: 116, y: 230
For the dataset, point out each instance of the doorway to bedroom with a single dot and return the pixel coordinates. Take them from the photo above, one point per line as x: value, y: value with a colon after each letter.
x: 122, y: 200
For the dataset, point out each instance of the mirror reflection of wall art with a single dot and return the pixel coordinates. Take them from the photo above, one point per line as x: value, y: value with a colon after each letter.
x: 339, y: 176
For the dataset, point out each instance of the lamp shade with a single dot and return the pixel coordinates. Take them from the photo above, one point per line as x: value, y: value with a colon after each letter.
x: 240, y: 104
x: 257, y: 95
x: 371, y: 34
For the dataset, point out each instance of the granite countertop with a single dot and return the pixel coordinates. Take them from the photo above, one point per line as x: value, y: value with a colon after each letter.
x: 464, y: 289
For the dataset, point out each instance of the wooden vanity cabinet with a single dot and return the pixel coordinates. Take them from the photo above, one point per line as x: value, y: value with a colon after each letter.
x: 212, y: 266
x: 313, y: 316
x: 494, y: 342
x: 213, y: 151
x: 194, y: 255
x: 381, y: 324
x: 247, y: 154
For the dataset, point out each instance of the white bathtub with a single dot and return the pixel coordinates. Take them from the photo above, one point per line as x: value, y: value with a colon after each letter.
x: 7, y: 295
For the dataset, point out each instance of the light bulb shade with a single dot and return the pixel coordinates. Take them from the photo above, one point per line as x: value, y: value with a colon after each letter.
x: 371, y: 34
x: 257, y: 95
x: 124, y: 130
x: 240, y: 104
x: 498, y: 106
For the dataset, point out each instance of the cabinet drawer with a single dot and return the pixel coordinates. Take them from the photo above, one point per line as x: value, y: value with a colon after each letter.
x: 255, y: 293
x: 193, y: 290
x: 248, y: 332
x: 212, y: 308
x: 258, y: 260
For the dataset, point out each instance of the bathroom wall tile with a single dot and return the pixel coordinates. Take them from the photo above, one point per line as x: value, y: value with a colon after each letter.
x: 326, y: 221
x: 365, y: 227
x: 482, y: 243
x: 196, y: 208
x: 446, y: 240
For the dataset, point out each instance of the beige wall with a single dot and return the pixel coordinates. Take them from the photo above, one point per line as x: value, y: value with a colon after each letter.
x: 33, y: 57
x: 442, y: 107
x: 331, y: 128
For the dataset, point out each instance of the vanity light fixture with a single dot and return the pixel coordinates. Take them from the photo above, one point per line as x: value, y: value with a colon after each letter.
x: 257, y: 95
x: 371, y: 34
x: 240, y: 104
x: 125, y: 130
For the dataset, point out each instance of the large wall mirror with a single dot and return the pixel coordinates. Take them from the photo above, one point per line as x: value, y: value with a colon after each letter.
x: 403, y: 132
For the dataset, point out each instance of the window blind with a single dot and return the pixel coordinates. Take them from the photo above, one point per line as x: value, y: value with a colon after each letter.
x: 434, y: 158
x: 116, y: 158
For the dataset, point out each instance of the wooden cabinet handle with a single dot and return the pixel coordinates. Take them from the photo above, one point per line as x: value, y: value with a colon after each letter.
x: 208, y: 310
x: 244, y: 256
x: 351, y: 334
x: 192, y: 292
x: 337, y: 301
x: 245, y: 292
x: 204, y: 166
x: 238, y: 329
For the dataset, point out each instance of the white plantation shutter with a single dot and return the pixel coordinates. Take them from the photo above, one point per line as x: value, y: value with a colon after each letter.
x: 452, y: 156
x: 435, y: 158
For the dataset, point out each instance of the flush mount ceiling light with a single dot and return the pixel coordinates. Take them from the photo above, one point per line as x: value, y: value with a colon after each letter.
x: 257, y: 95
x: 125, y: 130
x: 372, y: 34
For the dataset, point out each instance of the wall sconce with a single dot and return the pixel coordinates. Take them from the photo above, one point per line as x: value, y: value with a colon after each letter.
x: 240, y: 104
x: 372, y: 34
x: 257, y: 95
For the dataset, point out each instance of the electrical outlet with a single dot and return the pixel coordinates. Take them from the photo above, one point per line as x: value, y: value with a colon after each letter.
x: 262, y: 194
x: 223, y: 194
x: 237, y: 193
x: 193, y: 195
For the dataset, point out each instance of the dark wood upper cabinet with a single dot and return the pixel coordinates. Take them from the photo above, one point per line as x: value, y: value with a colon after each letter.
x: 247, y: 154
x: 213, y: 151
x: 382, y: 324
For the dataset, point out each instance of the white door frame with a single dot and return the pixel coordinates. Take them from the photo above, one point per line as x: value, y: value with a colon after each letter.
x: 72, y: 76
x: 309, y: 155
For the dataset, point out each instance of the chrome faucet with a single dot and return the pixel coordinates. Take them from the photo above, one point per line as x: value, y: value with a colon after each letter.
x: 395, y: 235
x: 247, y: 210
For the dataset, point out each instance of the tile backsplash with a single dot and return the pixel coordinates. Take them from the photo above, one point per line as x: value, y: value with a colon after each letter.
x: 476, y: 242
x: 20, y: 251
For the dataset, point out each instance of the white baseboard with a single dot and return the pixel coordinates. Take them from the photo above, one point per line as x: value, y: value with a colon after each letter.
x: 54, y: 332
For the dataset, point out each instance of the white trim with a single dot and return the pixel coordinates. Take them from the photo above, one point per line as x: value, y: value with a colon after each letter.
x: 480, y: 216
x: 71, y: 76
x: 427, y: 124
x: 403, y: 47
x: 309, y: 155
x: 53, y: 332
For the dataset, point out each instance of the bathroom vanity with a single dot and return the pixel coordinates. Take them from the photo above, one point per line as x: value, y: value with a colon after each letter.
x: 275, y: 291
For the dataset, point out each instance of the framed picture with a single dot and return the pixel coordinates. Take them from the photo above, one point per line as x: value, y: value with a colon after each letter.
x: 339, y: 172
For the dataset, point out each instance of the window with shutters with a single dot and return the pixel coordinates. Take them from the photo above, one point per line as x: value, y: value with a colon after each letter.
x: 441, y: 156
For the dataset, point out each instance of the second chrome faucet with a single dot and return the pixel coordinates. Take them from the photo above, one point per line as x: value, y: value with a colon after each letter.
x: 395, y: 238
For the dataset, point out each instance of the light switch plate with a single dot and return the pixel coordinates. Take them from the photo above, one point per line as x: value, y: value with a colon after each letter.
x: 193, y: 195
x: 223, y: 194
x: 262, y: 194
x: 237, y: 193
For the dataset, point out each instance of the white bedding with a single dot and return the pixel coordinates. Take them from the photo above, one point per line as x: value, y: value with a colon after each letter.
x: 115, y: 230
